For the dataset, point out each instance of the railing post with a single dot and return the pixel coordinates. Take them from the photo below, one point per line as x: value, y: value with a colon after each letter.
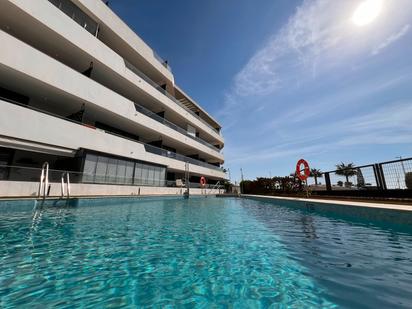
x: 327, y: 181
x: 379, y: 176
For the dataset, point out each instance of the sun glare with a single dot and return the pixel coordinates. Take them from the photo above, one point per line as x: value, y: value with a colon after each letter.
x: 367, y: 12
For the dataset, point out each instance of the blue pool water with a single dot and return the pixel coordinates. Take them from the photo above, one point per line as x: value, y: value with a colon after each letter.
x: 202, y: 253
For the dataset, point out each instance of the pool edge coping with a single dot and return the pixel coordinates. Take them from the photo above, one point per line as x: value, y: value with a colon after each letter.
x: 80, y: 197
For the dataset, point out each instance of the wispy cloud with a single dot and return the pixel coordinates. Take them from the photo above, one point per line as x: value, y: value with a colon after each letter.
x: 307, y: 35
x: 387, y: 125
x: 391, y: 39
x: 319, y: 35
x: 313, y: 88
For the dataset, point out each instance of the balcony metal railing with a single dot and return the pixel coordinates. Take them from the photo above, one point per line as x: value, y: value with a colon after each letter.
x: 171, y: 125
x: 150, y: 148
x: 139, y: 73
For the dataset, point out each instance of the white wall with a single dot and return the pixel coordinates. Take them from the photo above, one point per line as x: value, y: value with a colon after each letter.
x: 43, y: 68
x: 53, y: 18
x: 105, y: 16
x: 21, y: 123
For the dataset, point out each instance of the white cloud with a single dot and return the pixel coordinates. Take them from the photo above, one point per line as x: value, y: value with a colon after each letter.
x: 320, y: 35
x: 391, y: 39
x: 298, y: 45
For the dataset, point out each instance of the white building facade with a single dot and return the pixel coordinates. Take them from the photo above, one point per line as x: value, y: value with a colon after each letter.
x: 81, y: 91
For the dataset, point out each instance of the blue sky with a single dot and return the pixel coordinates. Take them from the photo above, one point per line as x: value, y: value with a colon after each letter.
x: 289, y: 79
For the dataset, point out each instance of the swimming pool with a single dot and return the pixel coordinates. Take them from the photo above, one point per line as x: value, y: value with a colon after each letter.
x: 201, y: 252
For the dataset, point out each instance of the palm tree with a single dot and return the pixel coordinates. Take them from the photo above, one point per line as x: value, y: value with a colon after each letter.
x: 346, y: 170
x: 315, y: 173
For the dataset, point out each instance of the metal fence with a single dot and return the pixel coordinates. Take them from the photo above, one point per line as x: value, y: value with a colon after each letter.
x: 390, y: 175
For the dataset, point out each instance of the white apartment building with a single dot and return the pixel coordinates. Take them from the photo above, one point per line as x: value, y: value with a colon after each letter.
x: 81, y: 91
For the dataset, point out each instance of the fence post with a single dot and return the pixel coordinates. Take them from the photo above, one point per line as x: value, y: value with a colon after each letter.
x: 382, y: 174
x: 327, y: 181
x: 379, y: 176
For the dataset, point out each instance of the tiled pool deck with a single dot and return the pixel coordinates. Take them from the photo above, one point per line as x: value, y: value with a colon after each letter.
x: 338, y: 202
x: 393, y: 213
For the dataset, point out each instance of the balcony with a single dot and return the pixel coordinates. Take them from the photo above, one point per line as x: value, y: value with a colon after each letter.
x: 149, y: 148
x: 163, y: 62
x: 171, y: 125
x: 81, y: 18
x: 176, y: 156
x: 90, y: 25
x: 155, y: 55
x: 140, y: 74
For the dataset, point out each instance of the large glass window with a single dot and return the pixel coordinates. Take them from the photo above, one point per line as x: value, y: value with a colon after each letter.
x: 89, y: 169
x: 129, y: 172
x: 102, y: 169
x: 121, y: 171
x: 145, y: 174
x: 138, y: 174
x: 162, y: 176
x: 151, y: 175
x: 111, y: 173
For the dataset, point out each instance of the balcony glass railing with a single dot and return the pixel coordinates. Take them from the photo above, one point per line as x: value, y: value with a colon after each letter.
x: 149, y: 148
x: 174, y: 155
x: 75, y: 13
x: 139, y: 73
x: 162, y: 61
x: 171, y: 125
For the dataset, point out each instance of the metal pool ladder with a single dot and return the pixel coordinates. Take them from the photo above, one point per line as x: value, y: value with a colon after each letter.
x: 186, y: 194
x: 65, y: 185
x: 44, y: 181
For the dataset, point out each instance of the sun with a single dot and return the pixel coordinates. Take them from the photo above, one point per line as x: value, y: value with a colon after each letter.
x: 367, y: 12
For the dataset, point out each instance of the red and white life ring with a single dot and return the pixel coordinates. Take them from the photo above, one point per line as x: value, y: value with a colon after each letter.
x: 202, y: 181
x: 306, y: 171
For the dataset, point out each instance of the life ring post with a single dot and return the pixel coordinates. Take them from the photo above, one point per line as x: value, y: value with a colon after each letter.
x: 303, y: 173
x: 306, y: 170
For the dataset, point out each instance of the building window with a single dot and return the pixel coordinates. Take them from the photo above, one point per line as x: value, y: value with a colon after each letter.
x: 110, y: 170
